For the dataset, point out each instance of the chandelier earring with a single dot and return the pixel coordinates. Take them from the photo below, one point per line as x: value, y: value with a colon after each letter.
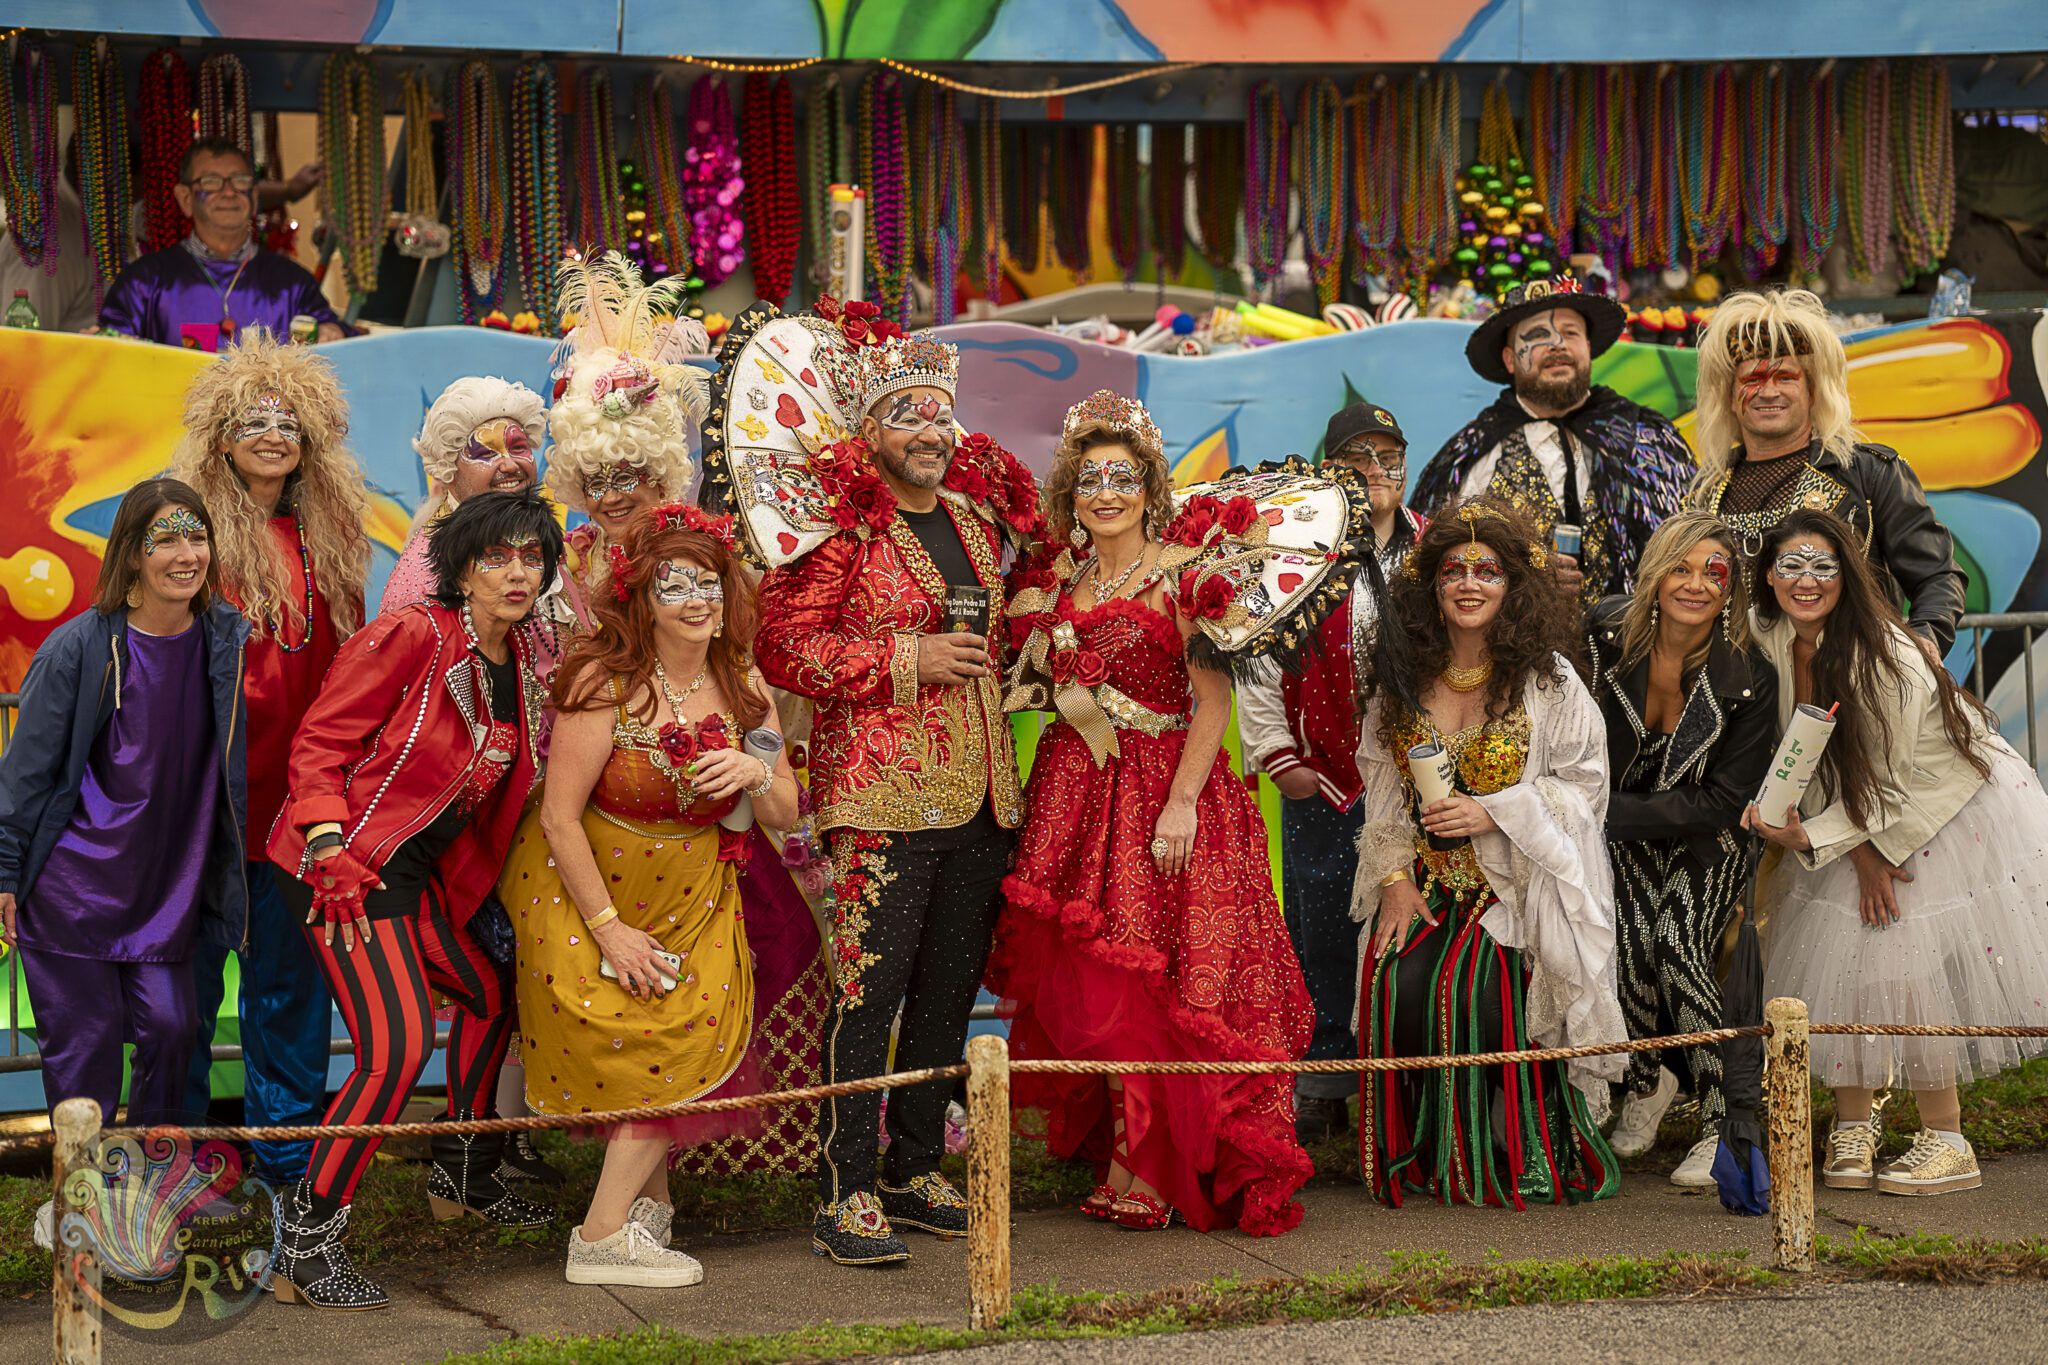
x: 1078, y: 537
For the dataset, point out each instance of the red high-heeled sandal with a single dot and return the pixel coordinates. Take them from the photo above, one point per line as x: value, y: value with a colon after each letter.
x: 1097, y: 1204
x: 1154, y: 1214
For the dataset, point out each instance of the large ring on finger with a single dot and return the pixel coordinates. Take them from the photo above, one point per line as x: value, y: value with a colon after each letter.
x: 1160, y: 848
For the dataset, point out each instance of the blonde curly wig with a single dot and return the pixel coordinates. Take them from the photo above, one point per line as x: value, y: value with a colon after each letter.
x: 466, y: 405
x: 326, y: 489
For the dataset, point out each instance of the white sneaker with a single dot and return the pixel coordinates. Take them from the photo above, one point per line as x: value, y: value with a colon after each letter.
x: 1696, y: 1172
x: 46, y: 1225
x: 629, y: 1256
x: 658, y: 1218
x: 1636, y: 1131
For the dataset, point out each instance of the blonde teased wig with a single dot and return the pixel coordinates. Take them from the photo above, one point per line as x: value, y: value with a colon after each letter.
x: 619, y: 320
x: 326, y: 490
x: 462, y: 407
x: 1790, y: 324
x: 1678, y: 537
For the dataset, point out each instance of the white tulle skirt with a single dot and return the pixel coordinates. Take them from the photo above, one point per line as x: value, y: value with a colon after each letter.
x: 1970, y: 945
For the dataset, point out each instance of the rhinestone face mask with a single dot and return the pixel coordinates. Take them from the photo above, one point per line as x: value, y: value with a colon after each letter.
x: 499, y: 558
x: 678, y: 581
x: 1116, y: 476
x: 624, y: 480
x: 1473, y: 562
x: 1807, y: 561
x: 179, y: 524
x: 498, y: 439
x: 267, y: 416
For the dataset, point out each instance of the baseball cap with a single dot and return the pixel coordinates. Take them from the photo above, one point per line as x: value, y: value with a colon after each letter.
x: 1360, y: 419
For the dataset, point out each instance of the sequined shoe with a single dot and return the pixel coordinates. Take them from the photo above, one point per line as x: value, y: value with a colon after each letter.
x: 855, y: 1231
x: 629, y: 1256
x: 928, y: 1203
x: 658, y: 1218
x: 1852, y: 1151
x: 1931, y: 1166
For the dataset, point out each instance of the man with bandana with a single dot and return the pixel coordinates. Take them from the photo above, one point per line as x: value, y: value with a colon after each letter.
x: 913, y: 777
x: 217, y: 283
x: 1556, y: 446
x: 1301, y: 729
x: 1775, y: 436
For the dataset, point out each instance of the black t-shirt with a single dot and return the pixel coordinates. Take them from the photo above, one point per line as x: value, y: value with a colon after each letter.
x: 941, y: 540
x: 406, y: 872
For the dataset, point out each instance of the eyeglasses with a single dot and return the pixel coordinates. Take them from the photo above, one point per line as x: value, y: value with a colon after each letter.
x: 214, y: 184
x: 1393, y: 464
x: 624, y: 482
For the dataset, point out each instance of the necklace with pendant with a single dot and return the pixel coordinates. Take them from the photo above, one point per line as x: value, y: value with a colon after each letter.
x: 675, y: 703
x: 1106, y: 591
x: 1468, y: 679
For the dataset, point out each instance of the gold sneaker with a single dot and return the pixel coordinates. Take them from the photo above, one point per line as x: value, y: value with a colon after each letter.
x: 1852, y: 1151
x: 1931, y: 1166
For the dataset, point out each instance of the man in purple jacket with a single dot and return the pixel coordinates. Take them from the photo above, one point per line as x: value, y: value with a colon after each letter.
x: 205, y: 290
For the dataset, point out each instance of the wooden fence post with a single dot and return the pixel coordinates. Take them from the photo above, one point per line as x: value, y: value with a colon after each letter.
x: 988, y: 1181
x: 1788, y: 1104
x: 75, y: 1276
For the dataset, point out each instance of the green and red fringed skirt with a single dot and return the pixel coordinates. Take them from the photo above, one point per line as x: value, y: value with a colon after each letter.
x: 1510, y: 1135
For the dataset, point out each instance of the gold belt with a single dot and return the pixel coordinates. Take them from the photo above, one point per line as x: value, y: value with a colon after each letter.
x: 1126, y: 714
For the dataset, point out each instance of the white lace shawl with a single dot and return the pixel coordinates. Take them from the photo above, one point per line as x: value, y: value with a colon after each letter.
x: 1547, y: 865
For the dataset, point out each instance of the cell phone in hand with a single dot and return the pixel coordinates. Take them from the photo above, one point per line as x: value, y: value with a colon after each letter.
x: 668, y: 980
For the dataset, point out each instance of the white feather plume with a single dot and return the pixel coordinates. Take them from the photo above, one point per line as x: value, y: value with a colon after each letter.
x: 613, y: 308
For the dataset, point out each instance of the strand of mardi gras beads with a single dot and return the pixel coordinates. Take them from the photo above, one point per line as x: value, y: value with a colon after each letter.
x: 821, y: 169
x: 1866, y: 167
x: 885, y: 173
x: 102, y: 116
x: 1375, y: 162
x: 713, y: 181
x: 275, y: 229
x: 1764, y: 181
x: 28, y: 130
x: 539, y: 227
x: 354, y: 194
x: 1441, y: 209
x: 662, y: 172
x: 1815, y: 138
x: 165, y: 104
x: 224, y: 100
x: 922, y: 158
x: 1553, y: 161
x: 422, y: 194
x: 1024, y: 158
x: 1654, y: 241
x: 476, y: 175
x: 774, y: 213
x: 1219, y: 206
x: 946, y: 184
x: 989, y: 204
x: 1924, y: 165
x: 600, y: 206
x: 1416, y: 99
x: 1319, y: 181
x: 1609, y: 159
x: 1266, y: 182
x: 1708, y: 155
x: 1123, y: 200
x: 1070, y: 191
x: 1498, y: 143
x: 1169, y: 200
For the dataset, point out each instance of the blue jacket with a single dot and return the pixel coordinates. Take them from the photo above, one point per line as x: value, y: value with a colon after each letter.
x: 66, y: 700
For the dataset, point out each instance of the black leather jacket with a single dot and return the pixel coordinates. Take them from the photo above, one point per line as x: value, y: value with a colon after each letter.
x: 1880, y: 496
x: 1718, y: 753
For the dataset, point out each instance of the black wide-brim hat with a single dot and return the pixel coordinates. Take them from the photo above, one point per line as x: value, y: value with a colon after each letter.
x: 1604, y: 317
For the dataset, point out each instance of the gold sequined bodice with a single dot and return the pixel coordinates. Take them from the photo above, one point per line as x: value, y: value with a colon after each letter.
x: 1489, y: 758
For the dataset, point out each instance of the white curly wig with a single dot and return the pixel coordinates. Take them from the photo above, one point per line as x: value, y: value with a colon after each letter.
x: 466, y: 405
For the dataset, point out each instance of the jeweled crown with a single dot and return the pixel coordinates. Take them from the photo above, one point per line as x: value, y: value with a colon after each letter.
x: 919, y: 360
x: 1127, y: 416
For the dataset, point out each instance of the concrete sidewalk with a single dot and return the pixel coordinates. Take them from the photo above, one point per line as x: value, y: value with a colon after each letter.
x: 772, y: 1282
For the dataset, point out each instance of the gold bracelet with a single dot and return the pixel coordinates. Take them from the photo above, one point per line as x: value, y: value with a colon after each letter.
x: 601, y: 918
x: 1404, y: 875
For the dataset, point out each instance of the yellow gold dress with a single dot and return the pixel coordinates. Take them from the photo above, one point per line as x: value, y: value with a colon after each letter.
x: 669, y: 867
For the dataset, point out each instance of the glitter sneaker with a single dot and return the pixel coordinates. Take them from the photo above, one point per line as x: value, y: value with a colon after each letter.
x: 1931, y: 1166
x: 629, y: 1256
x: 1851, y: 1153
x: 928, y: 1203
x: 855, y: 1231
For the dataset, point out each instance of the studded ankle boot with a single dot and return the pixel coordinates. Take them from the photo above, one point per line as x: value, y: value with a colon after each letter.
x: 465, y: 1180
x: 312, y: 1263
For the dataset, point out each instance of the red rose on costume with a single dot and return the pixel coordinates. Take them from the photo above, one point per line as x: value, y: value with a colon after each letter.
x: 964, y: 479
x: 678, y: 745
x: 1213, y: 598
x: 711, y: 735
x: 1197, y: 518
x: 733, y: 846
x: 1062, y: 663
x: 1091, y: 669
x: 862, y: 324
x: 1239, y: 514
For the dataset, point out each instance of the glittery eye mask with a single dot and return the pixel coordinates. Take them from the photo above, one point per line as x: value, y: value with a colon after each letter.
x: 677, y: 581
x: 622, y: 479
x: 267, y: 416
x: 1118, y: 476
x: 916, y: 414
x: 1807, y: 561
x: 525, y: 549
x: 1473, y: 563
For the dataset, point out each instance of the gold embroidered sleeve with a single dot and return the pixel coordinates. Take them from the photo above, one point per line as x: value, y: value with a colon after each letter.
x: 903, y: 667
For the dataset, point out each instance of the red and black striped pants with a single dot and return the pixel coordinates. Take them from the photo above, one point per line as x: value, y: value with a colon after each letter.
x: 385, y: 989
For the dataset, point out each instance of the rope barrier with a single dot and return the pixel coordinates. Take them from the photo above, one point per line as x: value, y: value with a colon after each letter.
x: 1340, y: 1065
x: 1936, y: 1030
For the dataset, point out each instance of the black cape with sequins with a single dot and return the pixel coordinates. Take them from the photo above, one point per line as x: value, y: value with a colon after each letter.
x: 1644, y: 467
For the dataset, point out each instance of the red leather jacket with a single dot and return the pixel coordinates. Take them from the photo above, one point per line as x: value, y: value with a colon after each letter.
x: 395, y: 731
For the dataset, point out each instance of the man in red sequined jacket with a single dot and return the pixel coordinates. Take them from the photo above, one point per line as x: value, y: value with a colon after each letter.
x: 1301, y: 729
x: 914, y: 779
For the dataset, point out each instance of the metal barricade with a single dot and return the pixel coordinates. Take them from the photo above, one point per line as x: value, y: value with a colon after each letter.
x: 1980, y: 625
